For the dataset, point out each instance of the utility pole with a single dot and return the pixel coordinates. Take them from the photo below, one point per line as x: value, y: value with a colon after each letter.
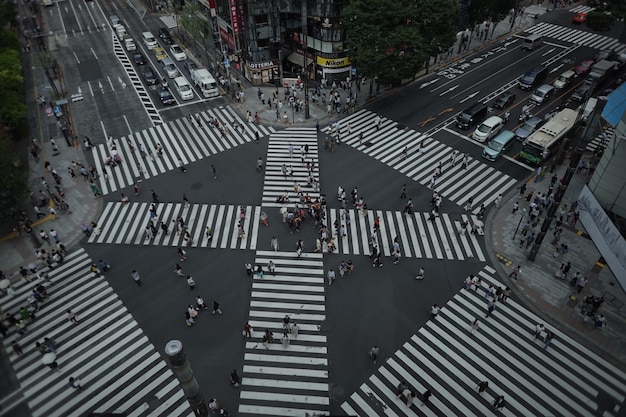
x: 305, y: 75
x: 181, y: 368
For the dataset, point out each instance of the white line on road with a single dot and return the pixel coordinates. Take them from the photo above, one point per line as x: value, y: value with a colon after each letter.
x: 90, y: 89
x: 61, y: 19
x: 76, y: 56
x: 130, y: 131
x: 111, y: 83
x: 94, y: 53
x: 76, y: 16
x: 103, y: 129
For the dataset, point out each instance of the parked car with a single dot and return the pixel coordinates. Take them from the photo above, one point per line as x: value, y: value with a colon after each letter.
x: 148, y: 75
x: 139, y: 59
x: 584, y: 67
x: 164, y: 35
x: 529, y: 126
x: 607, y: 54
x: 165, y: 95
x: 579, y: 18
x: 178, y: 53
x: 504, y: 100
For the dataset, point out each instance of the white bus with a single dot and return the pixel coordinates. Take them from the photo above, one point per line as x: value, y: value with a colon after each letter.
x: 539, y: 146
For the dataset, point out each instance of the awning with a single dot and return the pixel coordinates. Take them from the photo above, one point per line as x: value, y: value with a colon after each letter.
x: 298, y: 59
x: 615, y: 106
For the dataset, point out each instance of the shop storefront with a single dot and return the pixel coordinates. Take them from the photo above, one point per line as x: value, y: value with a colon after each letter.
x: 262, y: 72
x: 333, y: 69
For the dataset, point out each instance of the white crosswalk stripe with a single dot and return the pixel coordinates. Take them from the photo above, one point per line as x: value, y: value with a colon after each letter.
x: 582, y: 9
x: 478, y: 180
x: 444, y: 357
x: 126, y: 224
x: 294, y: 163
x: 292, y: 380
x: 119, y: 368
x: 417, y: 235
x: 183, y: 139
x: 577, y: 36
x: 602, y: 139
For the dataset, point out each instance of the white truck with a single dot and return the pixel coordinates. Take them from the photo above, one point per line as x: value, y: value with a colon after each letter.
x: 203, y: 79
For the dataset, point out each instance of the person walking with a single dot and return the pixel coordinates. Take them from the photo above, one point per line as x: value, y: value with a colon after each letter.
x: 234, y: 378
x: 482, y: 386
x: 182, y: 255
x: 136, y: 277
x: 75, y: 384
x: 274, y: 244
x: 247, y: 330
x: 285, y: 340
x: 581, y: 283
x: 426, y: 396
x: 17, y: 349
x: 434, y: 311
x: 491, y: 306
x: 516, y: 271
x: 214, y: 171
x: 54, y: 235
x: 216, y: 308
x: 155, y: 197
x: 331, y: 276
x: 271, y: 267
x: 474, y: 325
x: 498, y: 403
x: 373, y: 353
x: 420, y: 274
x: 72, y: 317
x: 191, y: 282
x: 403, y: 194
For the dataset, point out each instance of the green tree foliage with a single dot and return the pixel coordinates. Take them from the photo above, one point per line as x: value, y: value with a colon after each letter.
x: 493, y: 10
x: 600, y: 21
x: 12, y: 106
x: 390, y: 39
x: 13, y: 179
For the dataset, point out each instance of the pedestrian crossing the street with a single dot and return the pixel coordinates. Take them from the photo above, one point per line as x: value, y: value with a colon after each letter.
x: 601, y: 140
x: 281, y: 379
x: 126, y: 224
x: 418, y: 236
x: 576, y: 36
x: 562, y: 378
x: 424, y: 155
x: 188, y: 139
x: 119, y: 369
x: 292, y: 158
x: 582, y: 9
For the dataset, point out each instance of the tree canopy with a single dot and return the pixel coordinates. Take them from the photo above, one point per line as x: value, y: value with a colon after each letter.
x: 390, y: 39
x: 494, y: 10
x: 13, y: 179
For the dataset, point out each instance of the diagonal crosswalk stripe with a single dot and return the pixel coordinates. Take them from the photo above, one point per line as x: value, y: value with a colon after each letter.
x: 188, y: 139
x: 424, y: 156
x: 126, y: 224
x: 448, y: 359
x: 119, y: 368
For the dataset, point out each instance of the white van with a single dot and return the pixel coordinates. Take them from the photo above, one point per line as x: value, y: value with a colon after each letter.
x: 590, y: 106
x: 169, y: 67
x: 488, y: 129
x: 184, y: 89
x: 532, y: 42
x: 149, y: 40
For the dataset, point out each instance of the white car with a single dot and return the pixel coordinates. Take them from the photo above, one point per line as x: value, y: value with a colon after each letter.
x: 178, y: 53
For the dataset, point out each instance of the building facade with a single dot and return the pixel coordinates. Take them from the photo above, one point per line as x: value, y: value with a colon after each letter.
x: 271, y: 41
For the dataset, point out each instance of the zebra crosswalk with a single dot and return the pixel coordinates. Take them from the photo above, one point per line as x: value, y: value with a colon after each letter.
x: 286, y: 379
x: 186, y: 139
x: 582, y: 9
x: 126, y: 224
x: 601, y: 140
x: 456, y: 183
x: 447, y: 358
x: 417, y: 235
x: 120, y: 370
x: 576, y: 36
x: 289, y: 153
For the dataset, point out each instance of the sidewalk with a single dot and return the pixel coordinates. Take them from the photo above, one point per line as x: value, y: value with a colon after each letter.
x: 538, y: 287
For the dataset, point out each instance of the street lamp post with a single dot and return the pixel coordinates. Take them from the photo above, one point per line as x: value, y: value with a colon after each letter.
x: 520, y: 222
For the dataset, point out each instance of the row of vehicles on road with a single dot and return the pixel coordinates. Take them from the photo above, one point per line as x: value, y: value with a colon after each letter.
x: 200, y: 77
x: 541, y: 137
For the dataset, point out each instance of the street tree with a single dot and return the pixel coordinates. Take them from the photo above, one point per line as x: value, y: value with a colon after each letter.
x: 13, y: 179
x: 490, y: 10
x: 438, y: 24
x: 12, y: 107
x: 383, y: 38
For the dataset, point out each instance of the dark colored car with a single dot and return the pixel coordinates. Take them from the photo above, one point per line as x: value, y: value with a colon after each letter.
x: 164, y: 34
x: 189, y: 65
x: 472, y: 116
x: 584, y: 67
x: 529, y: 126
x: 165, y: 95
x: 504, y: 100
x: 582, y: 92
x: 149, y: 76
x: 139, y: 59
x: 607, y: 54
